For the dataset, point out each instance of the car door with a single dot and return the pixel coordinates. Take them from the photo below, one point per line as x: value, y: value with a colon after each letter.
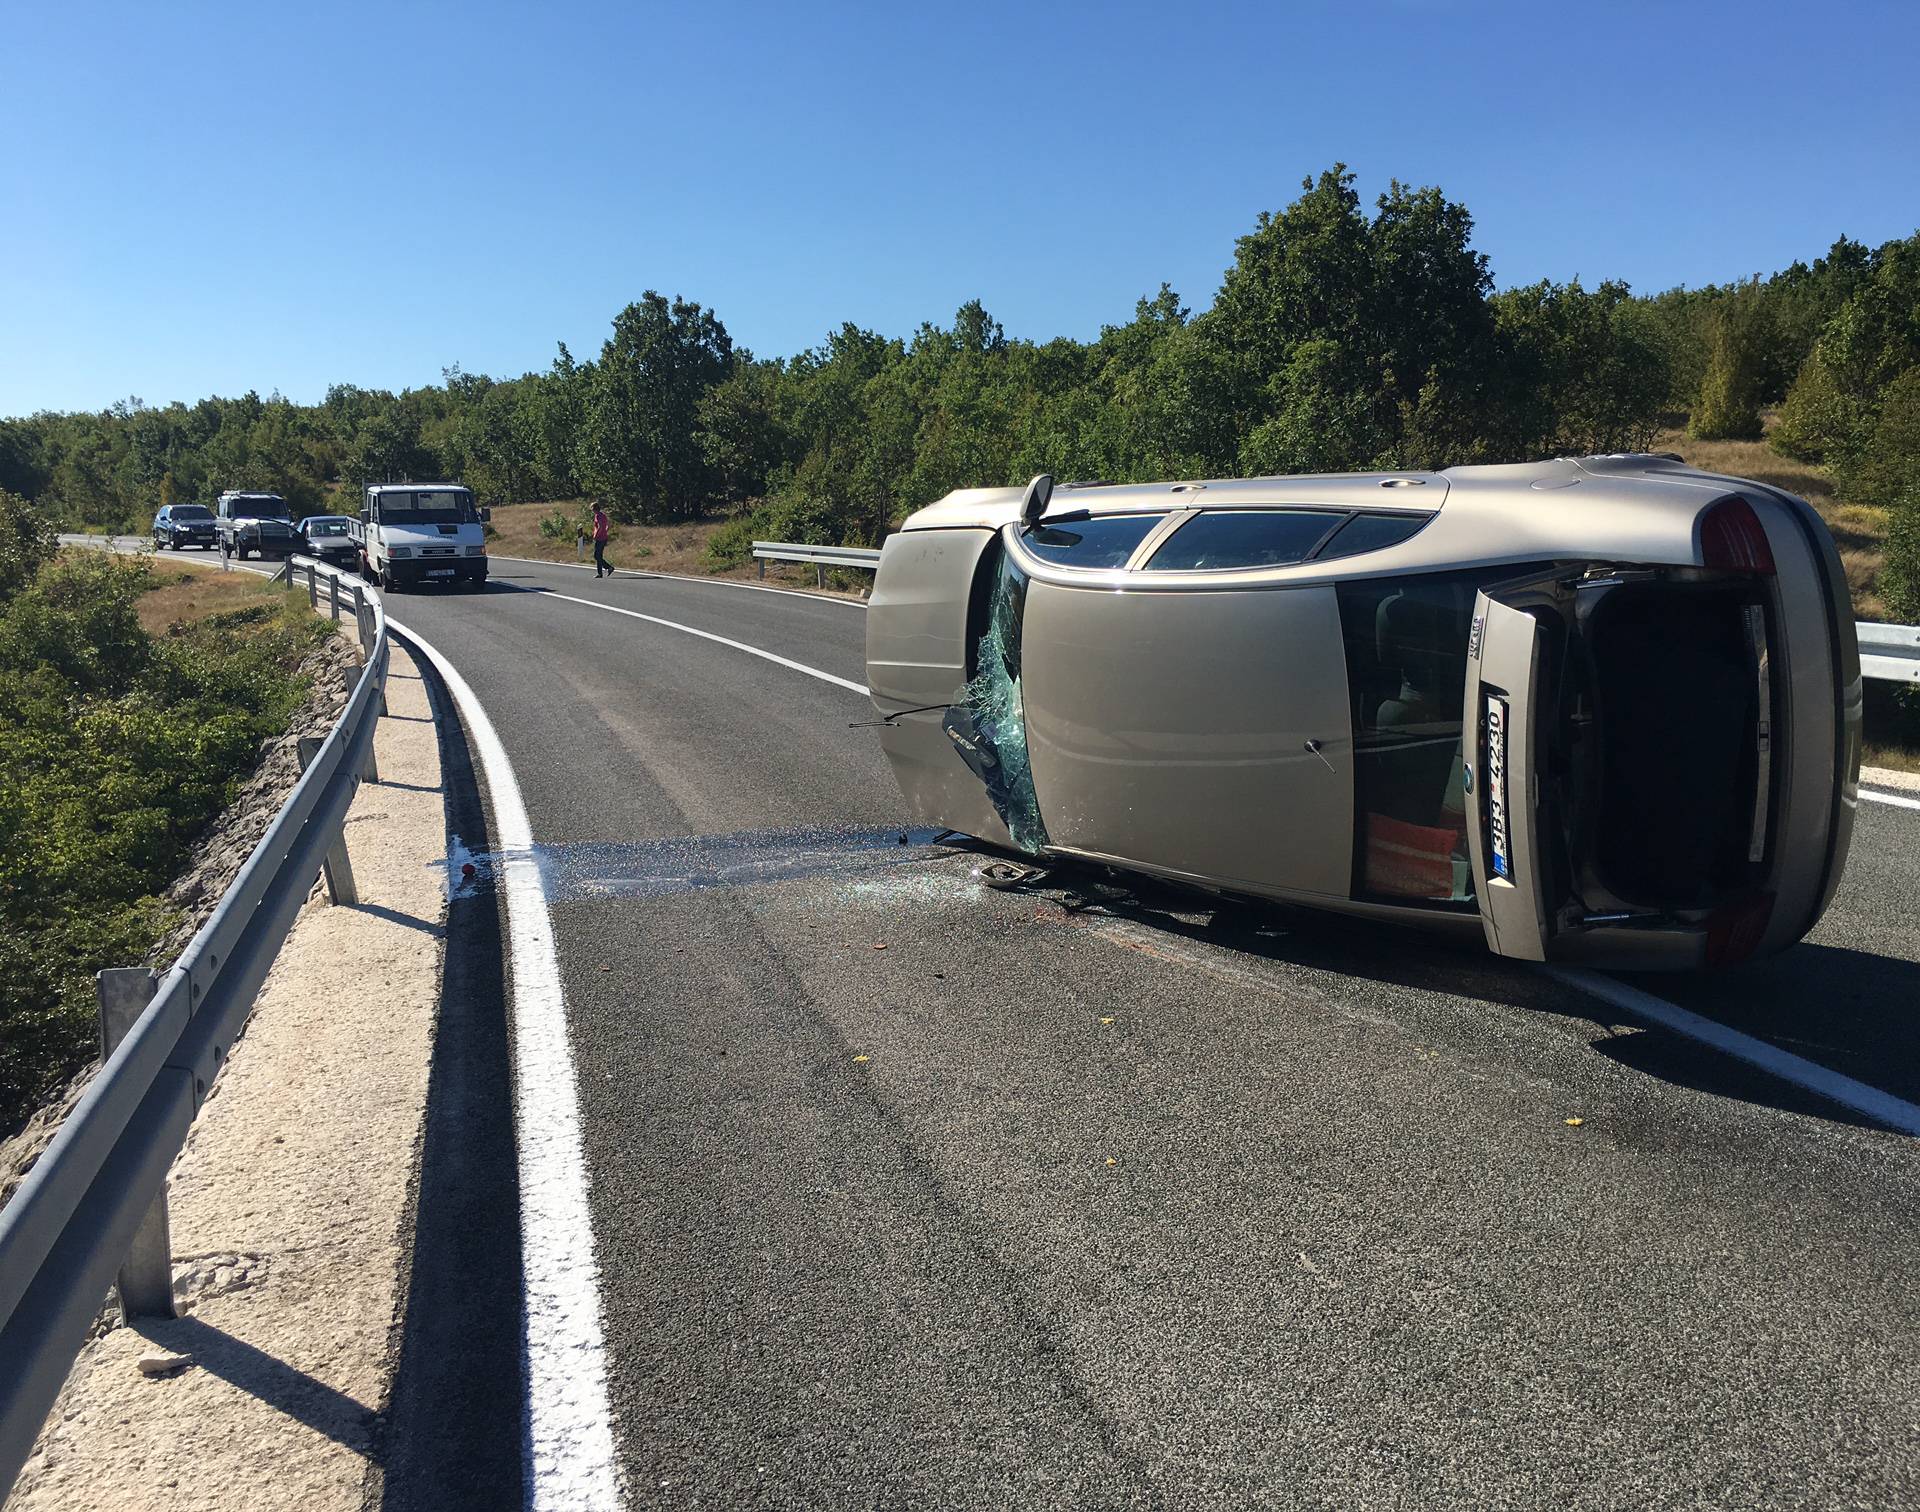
x: 1201, y: 731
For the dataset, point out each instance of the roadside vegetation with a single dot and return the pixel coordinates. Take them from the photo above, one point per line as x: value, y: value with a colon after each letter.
x: 133, y: 699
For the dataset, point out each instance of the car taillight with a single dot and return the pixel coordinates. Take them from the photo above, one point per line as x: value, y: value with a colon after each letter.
x: 1733, y: 539
x: 1735, y: 931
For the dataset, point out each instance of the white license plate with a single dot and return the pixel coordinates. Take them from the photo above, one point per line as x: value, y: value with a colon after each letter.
x: 1497, y: 785
x: 439, y: 572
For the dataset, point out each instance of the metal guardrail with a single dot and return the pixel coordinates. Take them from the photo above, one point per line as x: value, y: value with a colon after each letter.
x: 1890, y: 653
x: 88, y: 1208
x: 822, y: 557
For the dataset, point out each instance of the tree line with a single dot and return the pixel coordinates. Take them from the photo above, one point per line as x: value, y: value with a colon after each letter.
x: 1342, y: 337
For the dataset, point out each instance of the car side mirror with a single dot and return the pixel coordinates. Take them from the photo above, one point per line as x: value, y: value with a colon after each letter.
x: 1033, y: 503
x: 486, y: 513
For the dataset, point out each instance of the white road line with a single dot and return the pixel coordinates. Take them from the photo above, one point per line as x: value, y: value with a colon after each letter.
x: 1882, y: 1107
x: 1894, y: 798
x: 568, y: 1430
x: 688, y: 577
x: 654, y: 619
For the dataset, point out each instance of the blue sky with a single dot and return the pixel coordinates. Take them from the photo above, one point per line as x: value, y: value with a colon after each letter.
x: 206, y: 198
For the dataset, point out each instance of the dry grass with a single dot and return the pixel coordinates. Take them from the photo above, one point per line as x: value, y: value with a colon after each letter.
x: 185, y: 596
x: 514, y: 530
x: 1897, y: 758
x: 1859, y: 530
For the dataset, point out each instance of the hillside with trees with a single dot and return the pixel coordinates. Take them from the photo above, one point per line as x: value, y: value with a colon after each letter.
x: 1342, y: 337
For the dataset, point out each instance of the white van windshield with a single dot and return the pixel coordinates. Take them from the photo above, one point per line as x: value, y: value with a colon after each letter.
x: 429, y: 506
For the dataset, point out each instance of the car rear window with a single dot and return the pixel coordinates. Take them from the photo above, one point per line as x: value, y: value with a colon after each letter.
x: 1370, y: 532
x: 1104, y: 541
x: 1218, y: 539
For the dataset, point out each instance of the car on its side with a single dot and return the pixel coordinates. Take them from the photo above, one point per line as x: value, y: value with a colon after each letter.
x: 1600, y: 709
x: 327, y: 537
x: 259, y: 523
x: 178, y: 526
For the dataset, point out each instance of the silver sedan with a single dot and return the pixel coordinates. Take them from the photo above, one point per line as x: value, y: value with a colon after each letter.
x: 1603, y: 709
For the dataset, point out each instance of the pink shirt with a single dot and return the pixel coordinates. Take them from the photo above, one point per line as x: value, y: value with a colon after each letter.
x: 599, y: 525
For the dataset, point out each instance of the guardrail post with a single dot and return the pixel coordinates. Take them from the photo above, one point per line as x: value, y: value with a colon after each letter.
x: 313, y: 588
x: 819, y: 576
x: 763, y: 569
x: 146, y: 1276
x: 333, y: 596
x: 370, y: 772
x: 338, y: 866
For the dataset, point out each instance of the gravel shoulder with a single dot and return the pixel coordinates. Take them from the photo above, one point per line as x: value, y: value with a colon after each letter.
x: 289, y: 1204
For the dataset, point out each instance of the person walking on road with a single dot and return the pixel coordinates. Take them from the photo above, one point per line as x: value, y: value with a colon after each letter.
x: 600, y: 563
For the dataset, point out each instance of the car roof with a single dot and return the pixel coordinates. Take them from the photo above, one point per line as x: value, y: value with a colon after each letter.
x: 415, y: 487
x: 1626, y: 506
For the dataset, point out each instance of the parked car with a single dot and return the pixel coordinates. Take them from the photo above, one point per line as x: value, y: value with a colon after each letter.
x: 178, y: 526
x: 1603, y: 709
x: 259, y: 523
x: 326, y: 537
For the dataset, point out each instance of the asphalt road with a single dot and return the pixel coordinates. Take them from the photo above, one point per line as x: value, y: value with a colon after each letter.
x: 909, y: 1191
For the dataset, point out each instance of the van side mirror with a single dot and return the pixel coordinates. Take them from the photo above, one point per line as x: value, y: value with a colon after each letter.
x: 486, y: 513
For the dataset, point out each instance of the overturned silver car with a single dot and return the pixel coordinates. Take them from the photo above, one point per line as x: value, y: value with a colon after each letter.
x: 1604, y: 709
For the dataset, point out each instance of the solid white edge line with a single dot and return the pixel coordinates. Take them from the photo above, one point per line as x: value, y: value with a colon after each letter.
x: 568, y: 1427
x: 688, y: 577
x: 1882, y: 1107
x: 1894, y: 798
x: 654, y: 619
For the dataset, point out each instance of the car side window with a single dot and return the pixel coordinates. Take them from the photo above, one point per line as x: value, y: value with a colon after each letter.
x: 1219, y: 539
x: 1370, y: 532
x: 1099, y: 541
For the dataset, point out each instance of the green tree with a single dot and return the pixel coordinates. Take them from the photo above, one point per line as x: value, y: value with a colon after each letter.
x: 1736, y: 377
x: 639, y: 443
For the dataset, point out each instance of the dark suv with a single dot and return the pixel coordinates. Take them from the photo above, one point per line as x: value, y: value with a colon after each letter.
x: 255, y: 522
x: 181, y: 525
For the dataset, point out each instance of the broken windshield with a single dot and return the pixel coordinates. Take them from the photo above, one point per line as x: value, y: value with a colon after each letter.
x: 987, y: 720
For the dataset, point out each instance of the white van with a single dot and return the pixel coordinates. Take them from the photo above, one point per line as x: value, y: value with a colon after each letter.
x: 412, y: 533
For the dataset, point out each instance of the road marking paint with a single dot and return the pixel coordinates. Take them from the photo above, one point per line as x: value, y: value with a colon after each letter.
x: 654, y: 619
x: 687, y: 577
x: 1894, y: 798
x: 568, y: 1429
x: 1882, y: 1107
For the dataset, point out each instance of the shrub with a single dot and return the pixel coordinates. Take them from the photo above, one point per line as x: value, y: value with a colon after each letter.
x: 1900, y: 569
x: 27, y: 542
x: 116, y: 748
x: 732, y: 544
x: 558, y: 525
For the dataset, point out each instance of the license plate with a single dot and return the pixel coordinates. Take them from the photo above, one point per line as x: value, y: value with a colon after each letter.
x: 1497, y: 785
x: 439, y: 572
